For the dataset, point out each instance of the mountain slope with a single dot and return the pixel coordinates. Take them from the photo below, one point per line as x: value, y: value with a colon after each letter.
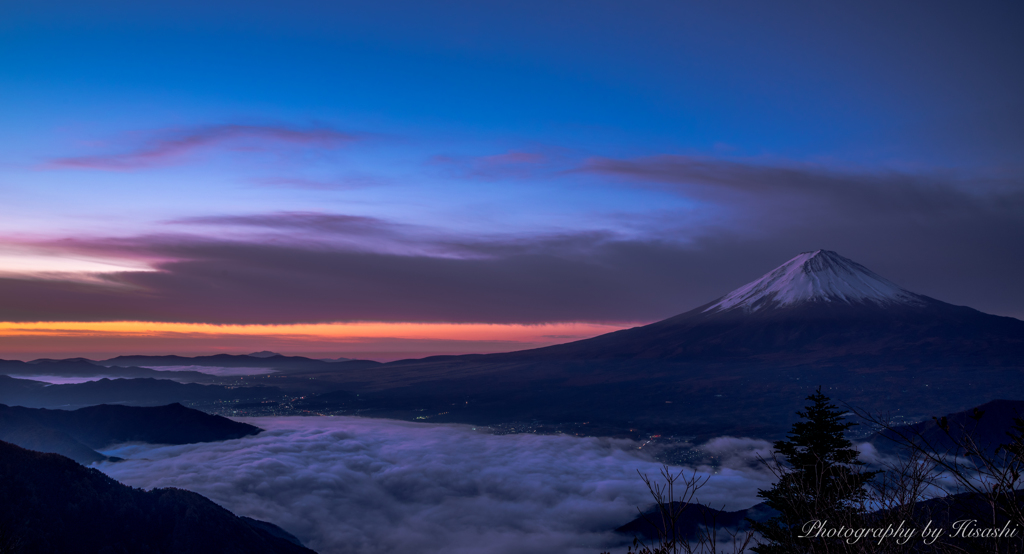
x: 737, y: 365
x: 817, y: 306
x: 986, y: 426
x: 136, y: 392
x: 53, y: 504
x: 695, y: 519
x: 81, y: 367
x: 79, y: 433
x: 20, y: 428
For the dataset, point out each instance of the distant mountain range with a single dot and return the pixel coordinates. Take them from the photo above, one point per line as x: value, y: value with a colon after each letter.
x: 186, y: 369
x: 257, y: 359
x: 81, y: 367
x: 269, y: 354
x: 78, y: 434
x: 135, y: 392
x: 64, y: 507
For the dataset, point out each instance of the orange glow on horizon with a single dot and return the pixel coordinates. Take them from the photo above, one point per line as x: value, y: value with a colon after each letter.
x: 384, y: 339
x: 338, y: 331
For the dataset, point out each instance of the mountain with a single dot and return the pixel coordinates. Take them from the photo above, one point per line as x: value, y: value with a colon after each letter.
x: 739, y: 364
x: 11, y: 388
x: 817, y: 306
x: 81, y: 367
x: 20, y: 428
x: 986, y: 426
x: 64, y: 507
x: 258, y: 359
x: 263, y: 354
x: 78, y: 434
x: 137, y: 392
x: 62, y: 361
x: 694, y: 519
x: 819, y: 276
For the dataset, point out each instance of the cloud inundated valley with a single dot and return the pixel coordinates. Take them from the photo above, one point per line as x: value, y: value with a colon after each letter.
x: 347, y: 485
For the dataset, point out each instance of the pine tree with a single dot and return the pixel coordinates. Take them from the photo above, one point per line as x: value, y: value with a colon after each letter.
x: 820, y: 479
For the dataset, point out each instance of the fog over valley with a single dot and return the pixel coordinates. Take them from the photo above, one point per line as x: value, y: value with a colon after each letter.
x: 345, y: 484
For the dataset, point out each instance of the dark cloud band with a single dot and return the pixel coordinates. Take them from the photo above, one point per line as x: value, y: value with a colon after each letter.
x: 171, y: 145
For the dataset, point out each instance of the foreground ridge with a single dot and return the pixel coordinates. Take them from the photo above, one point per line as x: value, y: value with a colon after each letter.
x: 63, y: 507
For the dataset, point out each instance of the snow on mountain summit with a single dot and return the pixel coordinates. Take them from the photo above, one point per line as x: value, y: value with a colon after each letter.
x: 821, y: 276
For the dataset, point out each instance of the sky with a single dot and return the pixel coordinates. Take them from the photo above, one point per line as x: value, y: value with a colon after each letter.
x: 397, y: 179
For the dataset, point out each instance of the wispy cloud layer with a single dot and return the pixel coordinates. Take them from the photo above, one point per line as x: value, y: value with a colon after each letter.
x: 806, y: 191
x: 171, y: 146
x: 570, y: 278
x: 950, y: 235
x: 350, y: 485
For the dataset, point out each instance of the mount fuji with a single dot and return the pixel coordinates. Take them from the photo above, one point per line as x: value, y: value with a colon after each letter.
x: 818, y: 305
x: 819, y: 276
x: 739, y: 365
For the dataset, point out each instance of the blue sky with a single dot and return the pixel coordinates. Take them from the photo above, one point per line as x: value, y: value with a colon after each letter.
x: 679, y: 149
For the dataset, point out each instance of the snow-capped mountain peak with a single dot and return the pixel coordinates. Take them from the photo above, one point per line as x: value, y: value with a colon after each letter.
x: 819, y: 276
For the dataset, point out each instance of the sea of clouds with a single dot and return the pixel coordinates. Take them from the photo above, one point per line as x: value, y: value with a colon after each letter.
x: 61, y: 379
x: 357, y: 485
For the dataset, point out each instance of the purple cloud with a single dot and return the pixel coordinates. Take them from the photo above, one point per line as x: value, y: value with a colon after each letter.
x: 171, y: 146
x: 838, y: 192
x: 206, y: 280
x: 342, y: 232
x: 294, y: 221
